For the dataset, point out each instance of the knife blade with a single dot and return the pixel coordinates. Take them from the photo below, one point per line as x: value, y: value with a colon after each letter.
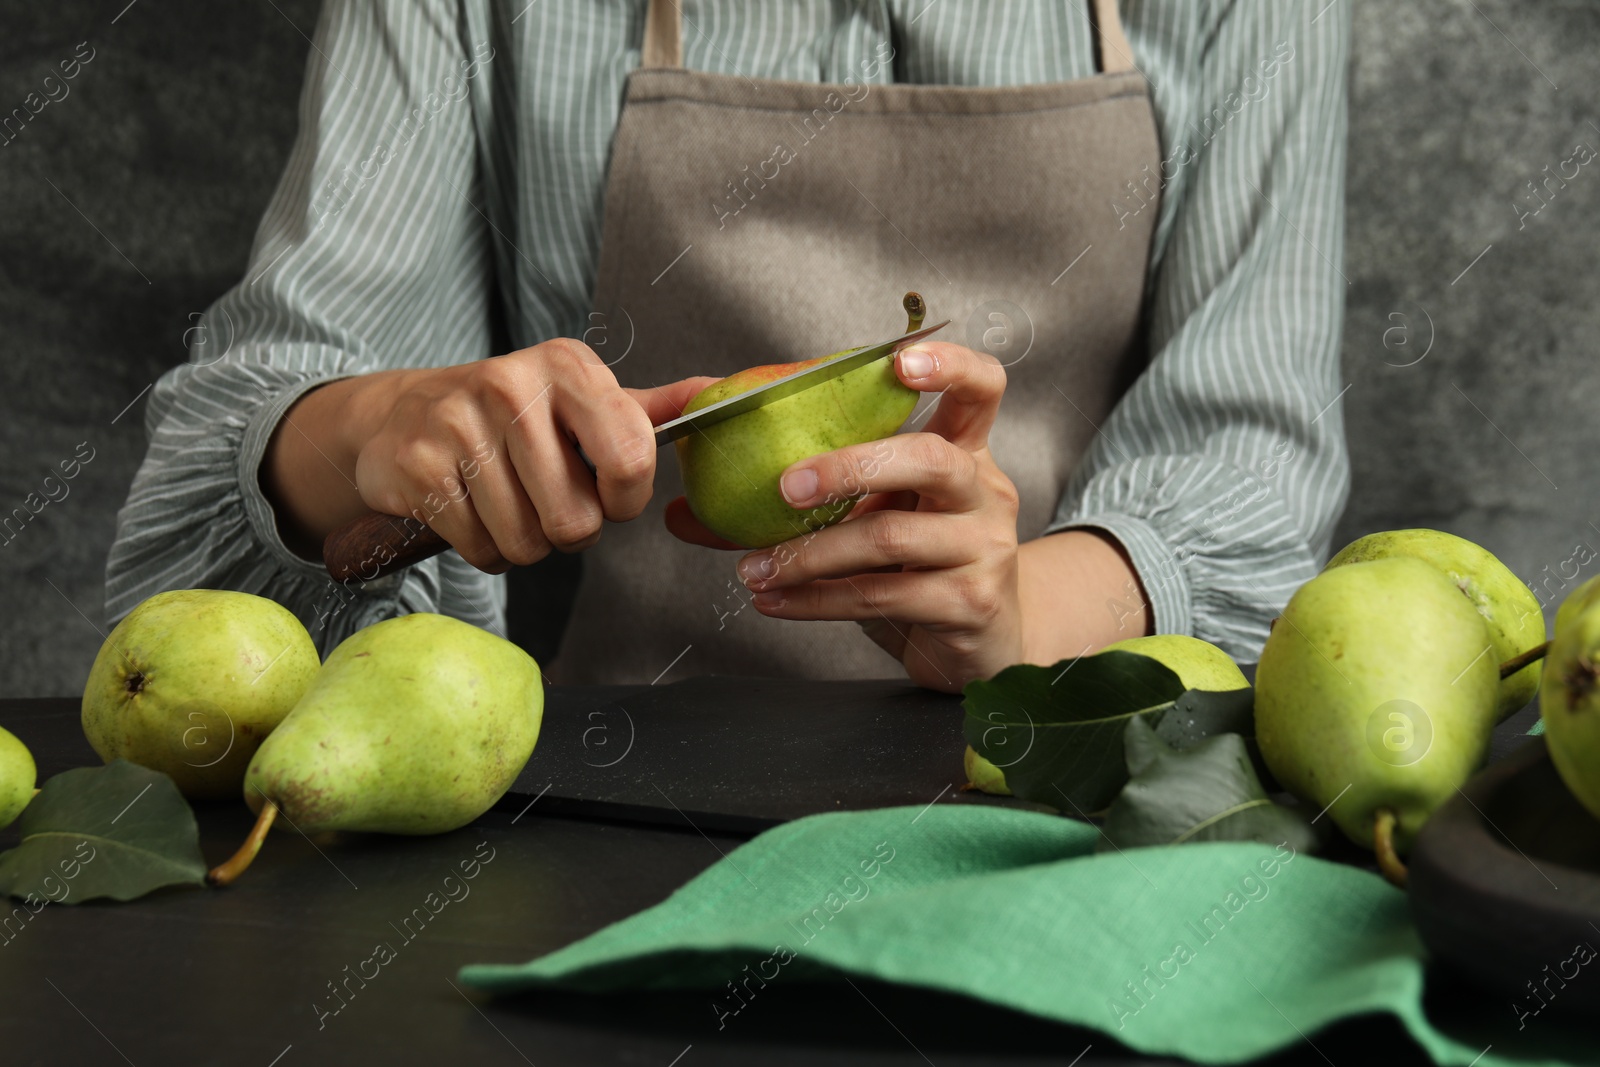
x: 376, y: 545
x: 787, y: 386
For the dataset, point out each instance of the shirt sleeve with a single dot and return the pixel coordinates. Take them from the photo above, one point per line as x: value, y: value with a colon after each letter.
x: 371, y: 255
x: 1223, y: 469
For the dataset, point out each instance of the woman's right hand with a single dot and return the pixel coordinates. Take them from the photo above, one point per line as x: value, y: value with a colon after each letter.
x: 483, y: 452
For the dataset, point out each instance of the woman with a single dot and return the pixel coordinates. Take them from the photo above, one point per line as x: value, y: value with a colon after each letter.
x: 1137, y: 214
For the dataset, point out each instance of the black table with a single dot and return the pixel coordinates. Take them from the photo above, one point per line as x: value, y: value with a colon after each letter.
x: 246, y: 975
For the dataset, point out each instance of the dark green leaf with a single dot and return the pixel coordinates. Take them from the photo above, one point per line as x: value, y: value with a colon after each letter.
x: 1199, y: 714
x: 1057, y: 731
x: 1208, y: 792
x: 116, y: 831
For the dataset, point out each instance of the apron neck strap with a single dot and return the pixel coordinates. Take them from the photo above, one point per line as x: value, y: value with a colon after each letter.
x: 663, y: 36
x: 1111, y: 44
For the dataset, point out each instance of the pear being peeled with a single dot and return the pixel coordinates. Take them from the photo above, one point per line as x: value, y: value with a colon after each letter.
x: 415, y: 725
x: 192, y: 680
x: 1198, y: 665
x: 1569, y: 698
x: 1516, y: 621
x: 731, y: 470
x: 1374, y: 692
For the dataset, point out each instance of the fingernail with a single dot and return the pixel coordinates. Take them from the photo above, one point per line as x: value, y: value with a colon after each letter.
x: 757, y: 568
x: 916, y: 363
x: 799, y: 486
x: 768, y: 601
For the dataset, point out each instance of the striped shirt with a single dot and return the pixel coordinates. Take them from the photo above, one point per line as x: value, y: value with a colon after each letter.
x: 449, y: 147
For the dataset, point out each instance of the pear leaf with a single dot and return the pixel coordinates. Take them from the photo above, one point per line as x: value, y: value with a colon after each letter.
x: 1057, y: 732
x: 1208, y: 792
x: 1200, y: 714
x: 116, y: 831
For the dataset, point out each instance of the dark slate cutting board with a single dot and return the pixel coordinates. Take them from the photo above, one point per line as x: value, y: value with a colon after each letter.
x: 740, y: 755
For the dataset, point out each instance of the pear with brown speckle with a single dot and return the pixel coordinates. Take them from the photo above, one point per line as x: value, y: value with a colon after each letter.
x: 415, y: 725
x: 1569, y: 699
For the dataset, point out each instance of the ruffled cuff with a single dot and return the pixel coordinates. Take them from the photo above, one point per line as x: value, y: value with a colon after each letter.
x: 258, y: 509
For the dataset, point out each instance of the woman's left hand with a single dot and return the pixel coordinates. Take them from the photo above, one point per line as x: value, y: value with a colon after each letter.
x: 927, y: 560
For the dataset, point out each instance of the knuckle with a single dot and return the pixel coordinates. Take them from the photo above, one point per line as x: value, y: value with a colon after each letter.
x: 979, y: 364
x: 864, y: 469
x: 1003, y: 540
x: 964, y: 645
x: 791, y: 557
x: 981, y: 377
x: 417, y: 461
x: 635, y: 463
x: 566, y: 350
x: 528, y: 549
x: 626, y: 511
x: 633, y: 459
x: 979, y: 597
x: 873, y: 590
x: 993, y: 375
x: 482, y: 553
x: 572, y: 530
x: 890, y: 537
x: 503, y: 383
x: 1006, y: 495
x: 587, y: 370
x: 451, y: 415
x: 845, y: 477
x: 944, y: 463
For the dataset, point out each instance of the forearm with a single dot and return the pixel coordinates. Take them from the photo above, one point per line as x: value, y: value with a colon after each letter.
x: 309, y: 470
x: 1078, y: 593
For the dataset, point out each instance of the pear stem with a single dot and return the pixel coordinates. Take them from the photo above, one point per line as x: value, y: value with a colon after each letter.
x: 239, y: 862
x: 1516, y: 663
x: 916, y: 311
x: 1389, y: 862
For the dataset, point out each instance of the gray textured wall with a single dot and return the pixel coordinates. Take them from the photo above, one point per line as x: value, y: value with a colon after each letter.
x: 130, y: 204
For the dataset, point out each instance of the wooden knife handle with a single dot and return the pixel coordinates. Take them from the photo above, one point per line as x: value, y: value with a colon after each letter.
x: 375, y: 545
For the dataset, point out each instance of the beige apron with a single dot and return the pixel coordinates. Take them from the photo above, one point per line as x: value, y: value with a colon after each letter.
x: 755, y: 221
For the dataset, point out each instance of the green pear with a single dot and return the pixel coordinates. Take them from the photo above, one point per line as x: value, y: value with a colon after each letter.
x: 1198, y: 665
x: 1516, y: 621
x: 1577, y: 602
x: 983, y: 775
x: 1373, y: 695
x: 414, y: 725
x: 731, y: 470
x: 192, y: 681
x: 18, y: 776
x: 1569, y: 698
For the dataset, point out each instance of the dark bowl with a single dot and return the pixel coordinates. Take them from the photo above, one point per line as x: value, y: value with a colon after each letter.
x: 1505, y: 886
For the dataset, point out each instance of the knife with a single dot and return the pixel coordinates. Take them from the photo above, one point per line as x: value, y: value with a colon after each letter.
x: 375, y: 545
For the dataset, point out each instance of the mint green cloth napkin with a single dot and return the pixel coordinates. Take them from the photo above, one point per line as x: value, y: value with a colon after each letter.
x: 1216, y: 952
